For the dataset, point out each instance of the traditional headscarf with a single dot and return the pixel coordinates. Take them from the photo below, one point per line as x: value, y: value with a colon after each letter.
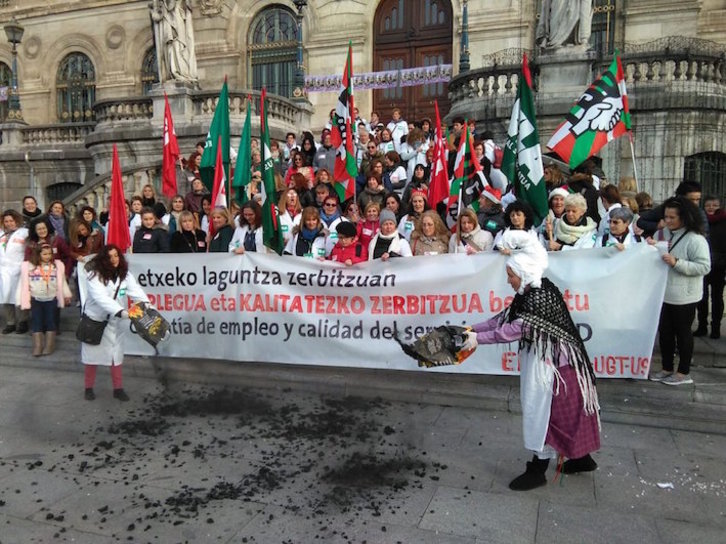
x: 529, y: 259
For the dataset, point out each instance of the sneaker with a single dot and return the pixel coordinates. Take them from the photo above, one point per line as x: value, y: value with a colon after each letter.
x: 89, y: 394
x: 677, y: 379
x: 121, y: 395
x: 660, y: 376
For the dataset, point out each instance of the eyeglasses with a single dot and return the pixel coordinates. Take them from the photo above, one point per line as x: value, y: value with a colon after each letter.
x: 330, y: 204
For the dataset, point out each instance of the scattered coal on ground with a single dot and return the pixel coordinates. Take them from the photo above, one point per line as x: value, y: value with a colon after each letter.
x: 327, y: 456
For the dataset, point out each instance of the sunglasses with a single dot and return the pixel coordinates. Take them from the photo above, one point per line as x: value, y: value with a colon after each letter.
x: 330, y: 204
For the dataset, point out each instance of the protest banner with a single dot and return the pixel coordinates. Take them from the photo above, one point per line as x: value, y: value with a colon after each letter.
x: 265, y: 308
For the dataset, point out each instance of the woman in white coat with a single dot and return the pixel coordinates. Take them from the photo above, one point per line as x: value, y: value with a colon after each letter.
x: 109, y: 284
x: 12, y: 254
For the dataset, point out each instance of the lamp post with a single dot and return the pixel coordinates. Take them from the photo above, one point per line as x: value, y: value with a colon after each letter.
x: 299, y: 90
x: 14, y: 32
x: 464, y: 58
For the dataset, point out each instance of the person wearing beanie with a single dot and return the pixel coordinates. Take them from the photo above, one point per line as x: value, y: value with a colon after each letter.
x: 388, y: 242
x: 560, y: 408
x: 491, y: 213
x: 410, y: 221
x: 348, y: 250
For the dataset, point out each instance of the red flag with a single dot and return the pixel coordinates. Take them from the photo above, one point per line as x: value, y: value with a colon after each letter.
x: 170, y: 153
x: 219, y: 193
x: 439, y: 188
x: 118, y: 225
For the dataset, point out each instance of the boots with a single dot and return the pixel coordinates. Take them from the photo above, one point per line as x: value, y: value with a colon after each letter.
x: 37, y: 344
x: 533, y: 477
x: 49, y: 343
x: 715, y: 330
x: 581, y: 464
x: 702, y: 329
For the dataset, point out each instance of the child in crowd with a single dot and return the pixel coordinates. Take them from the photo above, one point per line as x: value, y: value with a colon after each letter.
x: 43, y: 288
x: 349, y: 250
x: 148, y: 239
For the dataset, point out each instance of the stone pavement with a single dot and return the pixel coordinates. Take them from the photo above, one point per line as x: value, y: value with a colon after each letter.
x: 193, y: 463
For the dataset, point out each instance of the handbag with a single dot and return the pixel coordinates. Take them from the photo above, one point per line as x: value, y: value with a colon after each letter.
x: 89, y: 330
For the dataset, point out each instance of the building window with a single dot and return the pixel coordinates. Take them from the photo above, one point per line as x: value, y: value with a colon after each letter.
x: 709, y: 169
x: 76, y: 89
x: 273, y: 50
x: 602, y: 37
x: 149, y: 71
x: 6, y: 78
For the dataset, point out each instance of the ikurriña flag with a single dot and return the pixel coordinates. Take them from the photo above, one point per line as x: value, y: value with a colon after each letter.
x: 439, y: 187
x: 342, y: 135
x: 271, y: 229
x: 522, y: 161
x: 170, y: 153
x: 599, y: 116
x: 469, y: 180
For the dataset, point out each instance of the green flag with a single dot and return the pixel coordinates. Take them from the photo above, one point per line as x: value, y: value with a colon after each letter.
x: 271, y: 231
x: 522, y: 161
x: 218, y: 129
x: 244, y: 159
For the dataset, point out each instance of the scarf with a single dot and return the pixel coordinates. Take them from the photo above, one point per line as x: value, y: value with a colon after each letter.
x: 468, y: 237
x: 386, y: 243
x: 329, y: 218
x: 308, y: 234
x: 569, y: 234
x: 58, y: 221
x: 549, y: 330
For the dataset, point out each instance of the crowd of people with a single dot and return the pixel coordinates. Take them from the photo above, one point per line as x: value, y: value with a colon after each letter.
x: 389, y: 217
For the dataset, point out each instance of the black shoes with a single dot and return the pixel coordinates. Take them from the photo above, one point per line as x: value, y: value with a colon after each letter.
x: 581, y: 464
x: 8, y: 329
x: 533, y: 477
x: 702, y: 330
x: 121, y: 395
x: 89, y: 394
x: 22, y: 328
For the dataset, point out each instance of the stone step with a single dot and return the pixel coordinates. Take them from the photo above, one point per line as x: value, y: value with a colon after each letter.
x: 699, y: 407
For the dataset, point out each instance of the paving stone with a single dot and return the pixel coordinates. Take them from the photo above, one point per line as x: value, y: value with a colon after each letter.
x: 678, y: 532
x: 635, y: 437
x: 16, y: 530
x: 489, y: 516
x: 567, y: 524
x: 702, y: 444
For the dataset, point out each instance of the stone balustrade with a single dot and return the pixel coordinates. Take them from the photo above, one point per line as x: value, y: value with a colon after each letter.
x: 279, y: 109
x: 61, y: 133
x: 124, y: 109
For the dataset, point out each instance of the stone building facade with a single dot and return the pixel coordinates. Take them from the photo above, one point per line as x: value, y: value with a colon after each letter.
x: 86, y: 75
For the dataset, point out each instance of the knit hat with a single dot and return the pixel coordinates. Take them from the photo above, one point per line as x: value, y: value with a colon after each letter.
x: 492, y: 194
x: 559, y: 191
x: 346, y: 228
x: 386, y: 215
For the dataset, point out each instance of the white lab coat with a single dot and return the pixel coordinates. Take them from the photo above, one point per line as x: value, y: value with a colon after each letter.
x: 12, y: 254
x: 98, y: 303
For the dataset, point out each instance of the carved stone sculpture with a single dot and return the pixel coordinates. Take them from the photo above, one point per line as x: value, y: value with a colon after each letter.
x: 564, y: 23
x: 174, y: 38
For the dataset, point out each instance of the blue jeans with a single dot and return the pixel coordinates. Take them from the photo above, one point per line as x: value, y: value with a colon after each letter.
x: 42, y: 315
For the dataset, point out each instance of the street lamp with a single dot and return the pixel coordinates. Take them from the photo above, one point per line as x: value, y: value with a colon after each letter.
x: 299, y: 90
x: 14, y: 32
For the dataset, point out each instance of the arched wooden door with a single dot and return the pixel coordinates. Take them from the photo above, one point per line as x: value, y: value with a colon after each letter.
x: 410, y: 34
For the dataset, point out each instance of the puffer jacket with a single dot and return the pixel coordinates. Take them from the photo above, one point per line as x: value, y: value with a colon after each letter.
x: 685, y: 280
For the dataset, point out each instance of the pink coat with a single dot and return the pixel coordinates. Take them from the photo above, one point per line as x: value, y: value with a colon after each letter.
x: 24, y: 286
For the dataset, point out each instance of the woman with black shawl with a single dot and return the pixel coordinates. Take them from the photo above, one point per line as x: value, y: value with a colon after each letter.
x: 560, y: 410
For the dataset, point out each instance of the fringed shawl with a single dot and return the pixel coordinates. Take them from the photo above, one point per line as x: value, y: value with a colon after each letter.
x: 549, y: 329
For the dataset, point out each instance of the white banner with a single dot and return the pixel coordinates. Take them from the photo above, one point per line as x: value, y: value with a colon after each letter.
x: 266, y: 308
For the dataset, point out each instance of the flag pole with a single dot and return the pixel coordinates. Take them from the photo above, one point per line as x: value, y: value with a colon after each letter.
x: 632, y: 156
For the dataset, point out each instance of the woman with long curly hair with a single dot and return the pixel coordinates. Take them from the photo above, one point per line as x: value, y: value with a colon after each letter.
x: 108, y: 286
